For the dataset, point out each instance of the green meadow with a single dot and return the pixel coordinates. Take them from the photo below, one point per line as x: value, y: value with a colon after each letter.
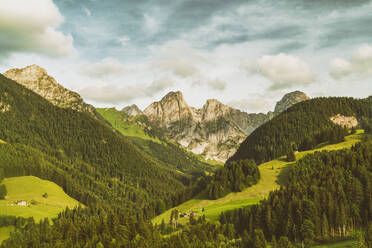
x: 31, y: 190
x: 273, y: 174
x: 126, y: 128
x: 5, y: 232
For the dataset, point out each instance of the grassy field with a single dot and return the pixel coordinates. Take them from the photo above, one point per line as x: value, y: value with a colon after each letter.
x: 5, y: 232
x: 273, y: 174
x: 30, y: 188
x: 116, y: 118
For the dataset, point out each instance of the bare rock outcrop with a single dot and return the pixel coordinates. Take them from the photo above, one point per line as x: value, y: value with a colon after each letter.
x: 344, y: 121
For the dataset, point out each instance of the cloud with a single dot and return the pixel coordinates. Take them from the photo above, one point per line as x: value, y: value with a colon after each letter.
x: 253, y: 104
x: 105, y: 68
x: 178, y: 58
x: 339, y: 68
x: 360, y: 64
x: 87, y: 11
x: 123, y: 40
x: 151, y: 24
x: 160, y: 85
x: 112, y: 93
x: 31, y: 26
x: 217, y: 84
x: 283, y: 70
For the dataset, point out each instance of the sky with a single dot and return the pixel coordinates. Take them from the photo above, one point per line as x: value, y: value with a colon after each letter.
x: 245, y: 53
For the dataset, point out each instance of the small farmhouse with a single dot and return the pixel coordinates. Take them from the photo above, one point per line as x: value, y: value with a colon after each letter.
x: 188, y: 214
x: 22, y: 203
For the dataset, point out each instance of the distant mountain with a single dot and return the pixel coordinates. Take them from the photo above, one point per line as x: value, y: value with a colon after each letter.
x: 289, y: 100
x: 132, y: 110
x: 37, y: 79
x: 215, y: 130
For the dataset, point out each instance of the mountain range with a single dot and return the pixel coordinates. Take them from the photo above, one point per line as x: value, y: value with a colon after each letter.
x: 215, y: 130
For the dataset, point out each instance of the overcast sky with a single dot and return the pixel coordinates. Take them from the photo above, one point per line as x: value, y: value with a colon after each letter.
x: 245, y: 53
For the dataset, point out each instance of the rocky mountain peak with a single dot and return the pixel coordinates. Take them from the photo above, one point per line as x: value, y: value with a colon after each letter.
x: 37, y: 79
x: 170, y: 108
x: 289, y: 100
x: 132, y: 110
x: 213, y: 109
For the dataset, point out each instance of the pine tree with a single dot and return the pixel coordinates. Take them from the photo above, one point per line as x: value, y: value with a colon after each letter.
x: 259, y: 240
x: 291, y: 157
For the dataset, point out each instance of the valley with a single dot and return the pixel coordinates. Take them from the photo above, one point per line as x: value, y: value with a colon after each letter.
x: 273, y: 175
x: 134, y: 172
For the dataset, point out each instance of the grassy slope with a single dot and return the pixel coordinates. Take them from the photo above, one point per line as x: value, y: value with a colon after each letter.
x: 32, y: 188
x: 126, y: 128
x: 270, y: 180
x: 5, y: 232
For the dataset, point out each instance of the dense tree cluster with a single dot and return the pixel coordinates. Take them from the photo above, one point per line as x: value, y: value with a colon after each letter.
x: 328, y: 194
x: 233, y: 177
x: 305, y: 124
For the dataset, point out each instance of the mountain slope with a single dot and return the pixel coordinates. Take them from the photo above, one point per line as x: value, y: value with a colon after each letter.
x: 102, y: 161
x: 36, y: 79
x: 303, y: 125
x: 273, y: 175
x: 139, y: 130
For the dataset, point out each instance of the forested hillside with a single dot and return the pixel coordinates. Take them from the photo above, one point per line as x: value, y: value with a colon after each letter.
x: 89, y: 160
x: 328, y: 194
x: 300, y: 124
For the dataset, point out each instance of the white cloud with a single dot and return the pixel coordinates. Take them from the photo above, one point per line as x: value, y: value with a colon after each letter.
x: 250, y: 104
x: 123, y: 40
x: 339, y: 68
x: 112, y: 93
x: 31, y: 26
x: 283, y: 70
x: 160, y: 85
x: 177, y: 57
x: 151, y: 24
x: 360, y: 64
x: 105, y: 68
x: 217, y: 84
x: 87, y: 11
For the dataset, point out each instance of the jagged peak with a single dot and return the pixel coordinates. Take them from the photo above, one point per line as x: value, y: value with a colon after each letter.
x: 173, y: 94
x: 289, y: 100
x: 29, y: 70
x: 296, y: 93
x: 132, y: 110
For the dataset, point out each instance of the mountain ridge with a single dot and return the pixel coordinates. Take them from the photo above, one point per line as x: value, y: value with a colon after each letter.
x: 36, y: 78
x: 215, y: 130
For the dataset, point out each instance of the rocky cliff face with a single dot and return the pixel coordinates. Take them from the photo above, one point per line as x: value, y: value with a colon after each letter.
x: 215, y: 130
x: 344, y: 121
x: 36, y: 79
x: 289, y: 100
x: 132, y: 110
